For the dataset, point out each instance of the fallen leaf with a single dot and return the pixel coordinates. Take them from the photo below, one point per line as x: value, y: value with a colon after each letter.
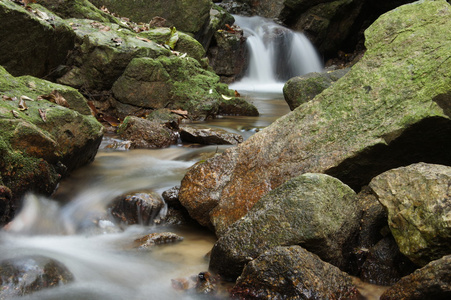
x: 22, y: 104
x: 15, y: 113
x: 110, y: 120
x: 226, y: 97
x: 173, y: 38
x: 179, y: 112
x: 43, y: 115
x: 55, y: 97
x: 23, y: 97
x: 7, y: 98
x: 144, y: 39
x: 237, y: 94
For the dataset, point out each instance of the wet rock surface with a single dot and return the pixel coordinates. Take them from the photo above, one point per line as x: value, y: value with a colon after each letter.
x: 24, y: 275
x: 292, y: 273
x: 137, y: 208
x: 433, y: 281
x: 209, y: 136
x: 417, y: 200
x: 157, y: 238
x: 143, y: 133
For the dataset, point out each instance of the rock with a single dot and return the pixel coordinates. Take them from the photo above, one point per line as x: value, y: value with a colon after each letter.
x: 208, y: 136
x: 219, y: 17
x: 156, y: 238
x: 315, y: 211
x: 382, y: 114
x: 302, y: 89
x: 292, y: 273
x: 417, y: 200
x: 102, y: 52
x: 384, y: 264
x: 80, y: 9
x: 177, y: 83
x: 185, y: 44
x: 433, y: 281
x: 188, y: 16
x: 228, y: 55
x: 5, y: 204
x: 146, y: 134
x: 137, y: 208
x: 171, y: 197
x: 24, y: 275
x: 34, y: 42
x: 42, y: 141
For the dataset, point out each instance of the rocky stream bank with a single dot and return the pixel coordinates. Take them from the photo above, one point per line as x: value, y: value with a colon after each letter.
x: 355, y: 181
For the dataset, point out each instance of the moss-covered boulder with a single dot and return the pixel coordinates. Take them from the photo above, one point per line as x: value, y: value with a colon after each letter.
x: 34, y: 41
x: 177, y: 83
x: 315, y: 211
x: 417, y: 201
x: 188, y: 15
x: 185, y: 43
x: 40, y: 141
x: 102, y: 53
x: 302, y: 89
x: 80, y: 9
x: 391, y: 109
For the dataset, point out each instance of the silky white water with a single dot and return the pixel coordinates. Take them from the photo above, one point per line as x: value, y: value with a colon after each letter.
x: 276, y: 54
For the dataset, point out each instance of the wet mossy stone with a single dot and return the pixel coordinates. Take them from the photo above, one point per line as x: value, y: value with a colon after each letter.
x: 41, y: 141
x: 101, y: 56
x: 176, y: 83
x: 34, y: 41
x: 80, y: 9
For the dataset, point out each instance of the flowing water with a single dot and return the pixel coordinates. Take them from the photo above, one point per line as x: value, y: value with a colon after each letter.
x: 276, y: 55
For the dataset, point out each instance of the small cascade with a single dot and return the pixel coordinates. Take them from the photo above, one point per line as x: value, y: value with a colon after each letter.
x: 276, y: 54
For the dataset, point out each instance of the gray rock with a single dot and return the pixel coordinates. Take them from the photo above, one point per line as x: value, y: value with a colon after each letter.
x: 137, y: 208
x: 208, y: 136
x: 315, y: 211
x: 417, y: 199
x: 292, y: 273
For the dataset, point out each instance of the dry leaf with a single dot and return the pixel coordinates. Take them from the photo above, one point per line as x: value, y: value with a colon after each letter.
x: 23, y: 97
x: 143, y: 39
x: 226, y: 97
x: 22, y: 104
x: 55, y: 97
x: 42, y: 114
x: 15, y: 113
x: 4, y: 97
x: 179, y: 112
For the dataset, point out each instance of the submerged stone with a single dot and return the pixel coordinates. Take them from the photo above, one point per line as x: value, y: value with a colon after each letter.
x: 24, y: 275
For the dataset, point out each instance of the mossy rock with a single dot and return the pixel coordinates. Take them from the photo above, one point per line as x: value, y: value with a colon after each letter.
x: 34, y: 42
x: 80, y: 9
x: 188, y: 15
x: 41, y: 141
x: 177, y: 83
x: 102, y: 53
x: 185, y: 44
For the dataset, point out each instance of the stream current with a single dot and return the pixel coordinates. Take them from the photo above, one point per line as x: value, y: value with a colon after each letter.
x: 98, y: 255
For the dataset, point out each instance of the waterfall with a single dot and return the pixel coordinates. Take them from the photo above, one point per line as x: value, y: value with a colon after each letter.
x: 276, y: 54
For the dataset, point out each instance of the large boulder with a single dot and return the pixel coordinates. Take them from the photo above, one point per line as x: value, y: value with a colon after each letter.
x: 80, y: 9
x: 177, y: 83
x: 189, y: 15
x: 391, y: 109
x: 34, y: 41
x: 292, y: 273
x: 102, y: 52
x: 41, y: 140
x: 315, y: 211
x: 417, y: 201
x: 433, y: 281
x: 27, y: 274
